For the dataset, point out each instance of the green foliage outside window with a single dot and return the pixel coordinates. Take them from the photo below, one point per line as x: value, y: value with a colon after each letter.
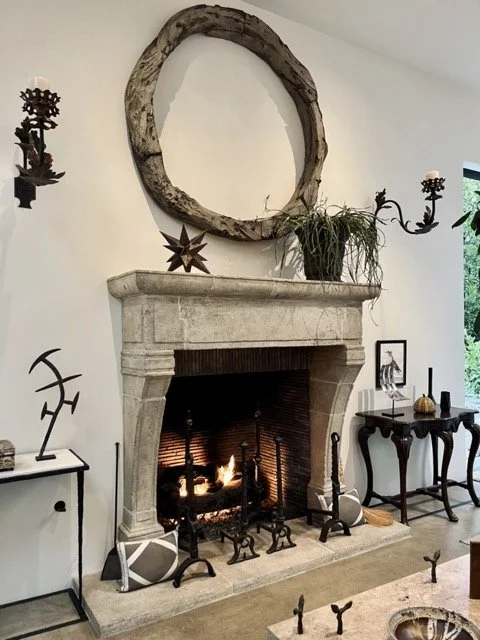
x: 471, y: 267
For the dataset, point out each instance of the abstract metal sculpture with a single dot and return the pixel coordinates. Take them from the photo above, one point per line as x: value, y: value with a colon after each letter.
x: 387, y: 382
x: 36, y: 169
x: 298, y: 611
x: 60, y: 383
x: 339, y: 613
x: 186, y: 252
x: 434, y: 561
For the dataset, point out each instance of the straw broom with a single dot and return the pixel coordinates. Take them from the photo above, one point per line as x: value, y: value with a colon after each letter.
x: 375, y: 517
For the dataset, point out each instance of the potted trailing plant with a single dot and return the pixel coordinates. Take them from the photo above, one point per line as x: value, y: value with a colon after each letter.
x: 336, y: 241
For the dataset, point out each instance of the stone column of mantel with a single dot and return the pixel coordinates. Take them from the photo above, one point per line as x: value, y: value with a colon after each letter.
x: 146, y: 378
x: 333, y: 371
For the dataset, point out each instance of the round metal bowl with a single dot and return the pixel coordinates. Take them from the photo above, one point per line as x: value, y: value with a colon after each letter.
x: 431, y: 623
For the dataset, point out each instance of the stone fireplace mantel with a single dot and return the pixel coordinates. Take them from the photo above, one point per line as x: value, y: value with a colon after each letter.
x: 167, y: 312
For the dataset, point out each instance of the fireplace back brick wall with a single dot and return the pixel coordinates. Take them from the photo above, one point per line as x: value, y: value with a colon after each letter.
x: 223, y: 409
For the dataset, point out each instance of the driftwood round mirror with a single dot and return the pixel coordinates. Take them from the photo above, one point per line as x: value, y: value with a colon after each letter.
x: 250, y: 32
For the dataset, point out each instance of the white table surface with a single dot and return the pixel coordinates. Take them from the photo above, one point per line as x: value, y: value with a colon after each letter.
x: 26, y: 465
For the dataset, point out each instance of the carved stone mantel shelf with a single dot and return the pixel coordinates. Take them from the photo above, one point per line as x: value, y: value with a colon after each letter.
x: 166, y: 312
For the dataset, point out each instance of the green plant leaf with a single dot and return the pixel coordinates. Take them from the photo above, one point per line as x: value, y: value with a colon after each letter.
x: 461, y: 220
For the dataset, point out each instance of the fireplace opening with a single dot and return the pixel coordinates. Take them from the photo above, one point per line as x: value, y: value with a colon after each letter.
x: 223, y: 409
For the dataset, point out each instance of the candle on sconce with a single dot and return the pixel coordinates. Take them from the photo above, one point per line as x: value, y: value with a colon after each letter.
x: 39, y: 83
x: 432, y: 175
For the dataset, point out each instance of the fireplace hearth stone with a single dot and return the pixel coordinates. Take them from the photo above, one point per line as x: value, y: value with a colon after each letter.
x: 164, y: 313
x: 111, y: 612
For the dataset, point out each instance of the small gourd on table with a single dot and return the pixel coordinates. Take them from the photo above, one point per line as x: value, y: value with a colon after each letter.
x: 424, y: 405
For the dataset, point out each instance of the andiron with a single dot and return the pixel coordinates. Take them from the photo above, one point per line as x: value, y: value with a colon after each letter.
x: 279, y: 531
x: 258, y: 513
x: 190, y: 514
x: 334, y: 512
x: 238, y: 533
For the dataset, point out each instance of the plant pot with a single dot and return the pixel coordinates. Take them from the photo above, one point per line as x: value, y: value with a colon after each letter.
x: 315, y: 265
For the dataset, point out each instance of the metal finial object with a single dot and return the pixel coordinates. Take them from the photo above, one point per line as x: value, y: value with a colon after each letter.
x: 298, y: 611
x: 434, y: 561
x: 339, y: 613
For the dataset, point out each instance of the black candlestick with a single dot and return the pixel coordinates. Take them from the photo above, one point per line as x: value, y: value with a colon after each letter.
x: 430, y: 384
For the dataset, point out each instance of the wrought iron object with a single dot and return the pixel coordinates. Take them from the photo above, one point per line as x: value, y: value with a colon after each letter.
x: 279, y: 531
x: 339, y: 613
x: 434, y: 561
x: 112, y: 569
x: 238, y: 534
x: 60, y: 383
x: 36, y: 169
x: 298, y: 611
x: 190, y: 515
x: 257, y: 460
x: 186, y: 251
x: 336, y: 492
x: 430, y: 186
x: 258, y: 512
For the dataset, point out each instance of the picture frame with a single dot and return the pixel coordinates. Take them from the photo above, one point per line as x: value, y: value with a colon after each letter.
x: 388, y: 352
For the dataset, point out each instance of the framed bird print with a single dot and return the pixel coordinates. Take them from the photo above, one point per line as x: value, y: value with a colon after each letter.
x: 391, y: 362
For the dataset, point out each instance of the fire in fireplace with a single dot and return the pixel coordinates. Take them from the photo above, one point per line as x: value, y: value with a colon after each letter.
x: 223, y: 409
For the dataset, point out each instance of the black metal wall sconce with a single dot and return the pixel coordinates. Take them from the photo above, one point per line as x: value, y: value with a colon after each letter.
x: 432, y: 184
x: 40, y: 104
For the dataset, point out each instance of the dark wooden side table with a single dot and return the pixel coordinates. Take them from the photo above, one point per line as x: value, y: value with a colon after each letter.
x: 28, y: 468
x: 400, y: 430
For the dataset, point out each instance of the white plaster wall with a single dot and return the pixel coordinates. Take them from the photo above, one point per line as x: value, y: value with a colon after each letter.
x: 385, y: 125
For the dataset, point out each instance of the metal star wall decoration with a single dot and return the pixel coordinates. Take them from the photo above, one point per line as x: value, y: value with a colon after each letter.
x: 186, y: 252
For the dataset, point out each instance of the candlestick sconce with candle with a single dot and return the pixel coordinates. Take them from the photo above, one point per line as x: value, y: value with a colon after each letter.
x: 432, y: 184
x: 36, y: 170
